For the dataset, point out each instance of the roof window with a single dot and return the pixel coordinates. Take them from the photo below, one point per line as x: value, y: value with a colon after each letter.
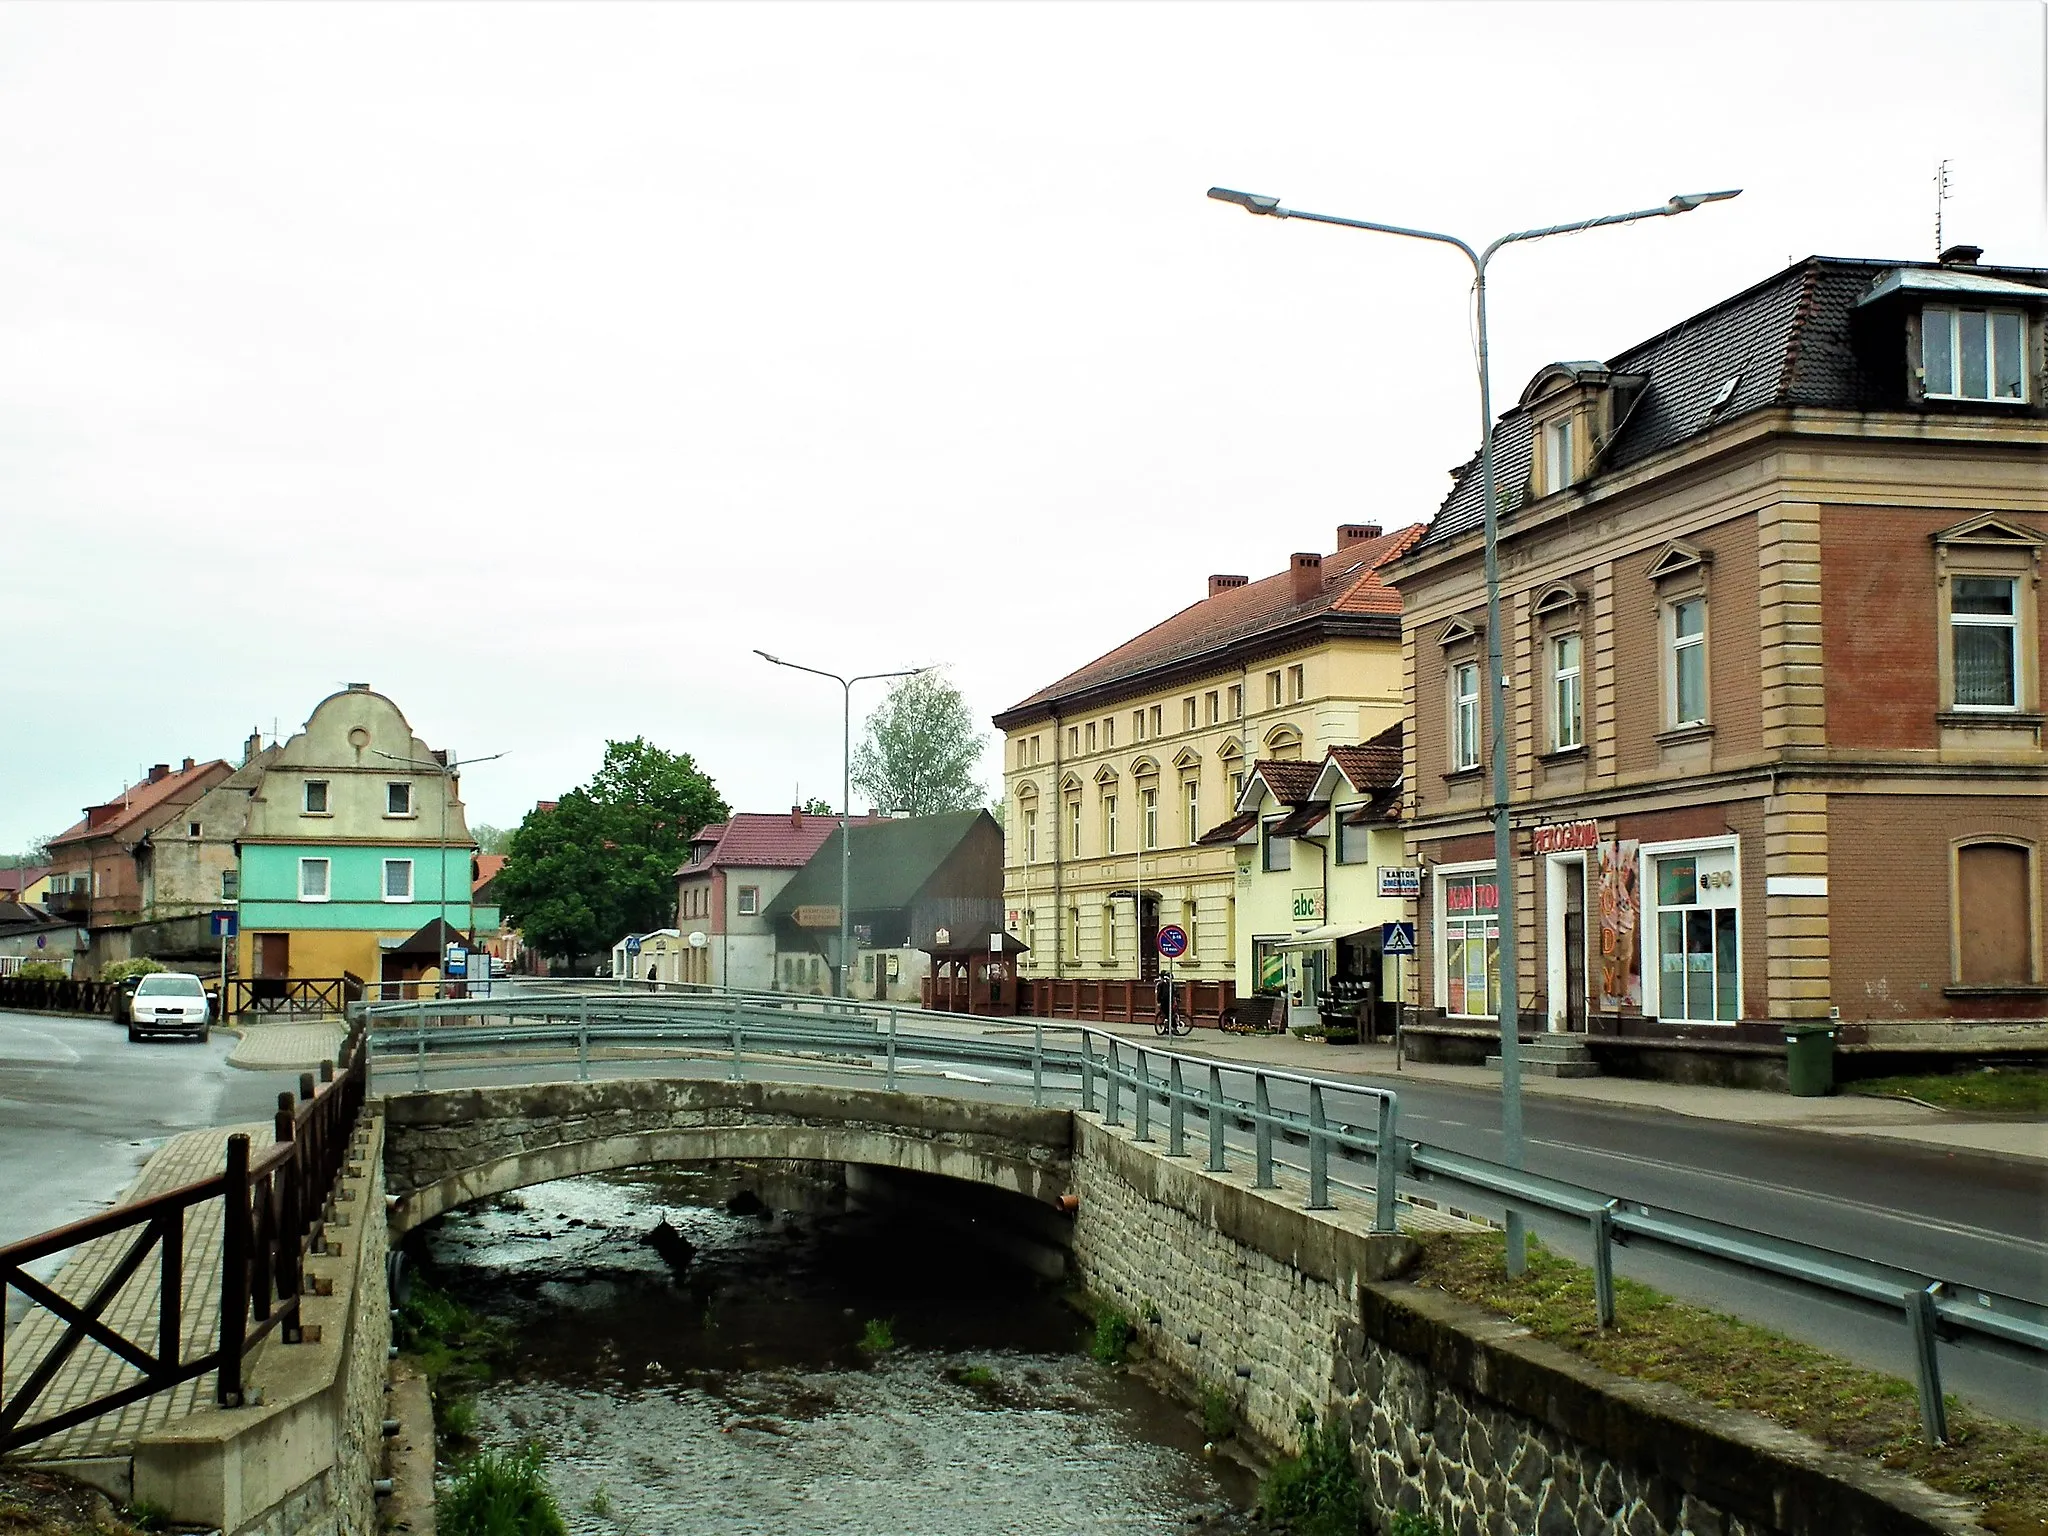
x: 1973, y: 354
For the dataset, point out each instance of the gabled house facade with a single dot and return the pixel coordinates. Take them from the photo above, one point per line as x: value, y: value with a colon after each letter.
x: 355, y: 853
x: 736, y: 868
x: 1771, y: 608
x: 1113, y: 774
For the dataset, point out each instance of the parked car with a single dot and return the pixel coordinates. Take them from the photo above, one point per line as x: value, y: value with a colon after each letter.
x: 170, y: 1002
x: 124, y: 997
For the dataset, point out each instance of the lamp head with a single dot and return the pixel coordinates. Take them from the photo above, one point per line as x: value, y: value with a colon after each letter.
x: 1685, y: 202
x: 766, y: 657
x: 1250, y: 202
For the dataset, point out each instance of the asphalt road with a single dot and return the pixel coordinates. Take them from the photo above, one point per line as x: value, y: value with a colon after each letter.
x: 81, y: 1109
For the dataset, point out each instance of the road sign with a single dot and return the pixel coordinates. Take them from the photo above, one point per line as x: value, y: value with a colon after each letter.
x: 632, y: 943
x: 1173, y: 942
x: 1397, y: 938
x: 222, y: 924
x: 816, y: 917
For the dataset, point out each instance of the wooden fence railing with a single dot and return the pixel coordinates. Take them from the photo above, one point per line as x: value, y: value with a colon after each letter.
x: 270, y: 1212
x: 1122, y: 1000
x: 245, y: 995
x: 35, y: 994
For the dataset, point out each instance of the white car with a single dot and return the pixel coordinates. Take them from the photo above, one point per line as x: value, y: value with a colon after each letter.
x: 170, y: 1002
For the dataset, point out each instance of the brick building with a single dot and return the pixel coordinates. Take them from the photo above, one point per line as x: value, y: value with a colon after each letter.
x: 1770, y: 587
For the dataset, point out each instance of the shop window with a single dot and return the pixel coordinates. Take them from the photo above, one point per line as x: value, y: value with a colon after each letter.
x: 1995, y: 915
x: 1698, y: 912
x: 1470, y: 908
x: 1269, y: 965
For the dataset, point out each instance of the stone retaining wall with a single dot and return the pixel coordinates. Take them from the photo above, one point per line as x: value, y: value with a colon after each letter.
x: 1454, y: 1413
x: 303, y: 1461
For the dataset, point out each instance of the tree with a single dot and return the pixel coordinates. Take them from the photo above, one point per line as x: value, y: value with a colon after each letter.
x: 602, y: 862
x: 816, y: 807
x: 918, y: 750
x: 490, y: 839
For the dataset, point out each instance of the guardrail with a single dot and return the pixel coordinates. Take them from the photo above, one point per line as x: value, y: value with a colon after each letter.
x: 1111, y: 1070
x: 270, y: 1214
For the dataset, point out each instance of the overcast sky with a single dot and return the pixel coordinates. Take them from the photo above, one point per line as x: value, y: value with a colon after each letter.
x: 534, y: 364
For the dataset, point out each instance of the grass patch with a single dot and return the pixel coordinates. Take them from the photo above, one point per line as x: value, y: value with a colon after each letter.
x: 878, y: 1336
x: 1739, y: 1365
x: 1414, y: 1525
x: 1112, y: 1339
x: 1316, y: 1492
x: 1219, y: 1414
x: 1990, y: 1090
x: 501, y: 1493
x: 455, y: 1348
x: 979, y: 1377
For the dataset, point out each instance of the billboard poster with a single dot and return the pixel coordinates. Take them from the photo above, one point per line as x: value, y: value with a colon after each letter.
x: 1621, y: 965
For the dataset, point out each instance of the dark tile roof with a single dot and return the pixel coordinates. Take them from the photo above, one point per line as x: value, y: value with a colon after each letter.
x: 1229, y: 831
x: 1791, y: 340
x: 892, y: 859
x: 1350, y: 585
x: 1301, y: 819
x: 1375, y: 764
x: 1290, y: 782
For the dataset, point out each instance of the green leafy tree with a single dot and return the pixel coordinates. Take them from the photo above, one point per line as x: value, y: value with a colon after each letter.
x: 490, y: 839
x: 816, y: 807
x: 601, y: 863
x: 918, y: 750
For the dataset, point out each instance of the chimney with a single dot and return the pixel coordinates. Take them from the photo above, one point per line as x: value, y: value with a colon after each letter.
x: 159, y: 773
x: 796, y: 817
x: 188, y: 766
x: 358, y: 687
x: 1349, y: 534
x: 1306, y: 572
x: 252, y: 746
x: 1224, y: 583
x: 1961, y: 255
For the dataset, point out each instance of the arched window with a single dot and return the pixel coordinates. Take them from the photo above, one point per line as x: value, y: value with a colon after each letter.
x: 1996, y: 921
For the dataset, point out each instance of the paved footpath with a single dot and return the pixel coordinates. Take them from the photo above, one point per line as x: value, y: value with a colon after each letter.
x: 288, y: 1047
x: 92, y: 1371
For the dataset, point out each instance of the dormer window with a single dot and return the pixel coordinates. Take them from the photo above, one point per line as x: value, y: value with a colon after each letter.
x: 1557, y: 455
x: 1973, y: 354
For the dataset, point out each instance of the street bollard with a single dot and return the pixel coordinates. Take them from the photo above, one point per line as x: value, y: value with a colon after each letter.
x: 1262, y: 1132
x: 1110, y: 1115
x: 1176, y: 1110
x: 1216, y: 1163
x: 1386, y: 1167
x: 1087, y: 1075
x: 1142, y: 1092
x: 1603, y: 1265
x: 1920, y: 1321
x: 1318, y: 1151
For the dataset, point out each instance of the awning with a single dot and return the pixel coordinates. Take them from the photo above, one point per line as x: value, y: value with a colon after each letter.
x: 1329, y: 933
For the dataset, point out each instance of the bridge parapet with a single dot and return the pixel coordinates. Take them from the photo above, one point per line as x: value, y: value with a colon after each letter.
x: 448, y: 1147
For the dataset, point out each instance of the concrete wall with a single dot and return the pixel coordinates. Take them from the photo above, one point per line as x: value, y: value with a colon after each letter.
x: 302, y: 1460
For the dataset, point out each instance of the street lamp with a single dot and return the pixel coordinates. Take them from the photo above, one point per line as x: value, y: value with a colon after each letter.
x: 1504, y: 867
x: 447, y: 770
x: 845, y: 795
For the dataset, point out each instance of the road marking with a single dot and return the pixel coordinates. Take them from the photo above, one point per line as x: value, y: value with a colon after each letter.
x: 1956, y: 1229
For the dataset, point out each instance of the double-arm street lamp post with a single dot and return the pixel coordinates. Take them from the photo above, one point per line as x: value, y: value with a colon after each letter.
x: 845, y: 795
x: 448, y: 771
x: 1503, y: 852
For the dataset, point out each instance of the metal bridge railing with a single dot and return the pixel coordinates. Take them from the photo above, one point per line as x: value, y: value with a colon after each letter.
x: 1115, y: 1076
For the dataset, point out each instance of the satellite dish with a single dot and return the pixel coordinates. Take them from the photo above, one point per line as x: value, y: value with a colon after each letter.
x: 699, y: 939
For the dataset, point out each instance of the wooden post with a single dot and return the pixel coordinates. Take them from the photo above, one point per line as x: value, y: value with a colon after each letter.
x: 234, y: 1272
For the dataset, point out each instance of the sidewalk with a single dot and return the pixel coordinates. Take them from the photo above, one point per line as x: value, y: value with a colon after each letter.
x: 92, y: 1371
x: 2015, y: 1141
x: 274, y: 1047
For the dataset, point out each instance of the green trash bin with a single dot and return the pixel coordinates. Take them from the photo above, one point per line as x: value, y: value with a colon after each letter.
x: 1810, y: 1060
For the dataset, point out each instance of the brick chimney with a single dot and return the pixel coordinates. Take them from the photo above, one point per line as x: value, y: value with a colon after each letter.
x: 1306, y: 573
x: 159, y: 773
x: 1225, y: 583
x: 188, y: 766
x: 252, y: 746
x: 796, y: 817
x: 1961, y: 256
x: 1349, y: 534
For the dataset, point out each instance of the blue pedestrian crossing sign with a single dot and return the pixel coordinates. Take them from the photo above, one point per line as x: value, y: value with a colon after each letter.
x: 1397, y: 938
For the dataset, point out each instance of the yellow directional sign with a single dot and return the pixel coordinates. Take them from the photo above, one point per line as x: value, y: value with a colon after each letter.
x: 816, y: 917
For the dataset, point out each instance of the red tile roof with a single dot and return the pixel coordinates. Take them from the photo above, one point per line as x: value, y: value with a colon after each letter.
x: 135, y: 804
x: 1350, y: 585
x: 1376, y: 764
x: 487, y: 867
x: 758, y: 840
x: 14, y: 881
x: 1290, y: 782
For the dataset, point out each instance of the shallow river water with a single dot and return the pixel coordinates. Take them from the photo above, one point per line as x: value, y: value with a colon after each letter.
x: 732, y: 1394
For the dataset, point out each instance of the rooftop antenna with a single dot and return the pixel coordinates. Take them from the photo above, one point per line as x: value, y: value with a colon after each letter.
x: 1940, y: 198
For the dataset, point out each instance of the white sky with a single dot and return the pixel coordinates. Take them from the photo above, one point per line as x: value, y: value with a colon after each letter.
x: 535, y: 364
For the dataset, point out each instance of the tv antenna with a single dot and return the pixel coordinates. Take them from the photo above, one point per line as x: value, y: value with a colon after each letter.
x: 1940, y: 198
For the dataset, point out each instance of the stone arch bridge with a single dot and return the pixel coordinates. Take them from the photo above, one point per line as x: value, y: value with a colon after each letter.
x: 447, y: 1147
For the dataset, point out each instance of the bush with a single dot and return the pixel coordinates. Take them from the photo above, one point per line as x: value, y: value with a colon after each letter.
x: 1112, y: 1337
x: 1414, y: 1525
x: 877, y: 1337
x: 121, y: 970
x: 1315, y: 1493
x: 501, y: 1493
x: 1219, y: 1415
x: 41, y: 970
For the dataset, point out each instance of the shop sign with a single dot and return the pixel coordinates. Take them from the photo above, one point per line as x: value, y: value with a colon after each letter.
x: 816, y: 917
x: 1402, y: 880
x: 1308, y: 905
x: 1471, y: 895
x: 1565, y: 837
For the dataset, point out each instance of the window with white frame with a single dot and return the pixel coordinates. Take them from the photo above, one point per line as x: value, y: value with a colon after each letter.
x: 1297, y: 684
x: 1211, y: 712
x: 1191, y: 793
x: 1073, y: 933
x: 1698, y: 921
x: 1469, y: 908
x: 1567, y: 725
x: 1272, y: 690
x: 398, y: 879
x: 1686, y: 667
x: 1237, y: 701
x: 1091, y: 735
x: 1073, y: 739
x: 1074, y: 827
x: 1984, y: 628
x: 1109, y: 930
x: 1973, y: 354
x: 1109, y: 732
x: 1557, y: 455
x: 1278, y: 851
x: 1137, y: 725
x: 1464, y: 715
x: 1148, y: 801
x: 749, y: 901
x: 1109, y: 823
x: 313, y: 879
x: 1353, y: 841
x: 315, y: 801
x: 1158, y: 720
x: 1031, y: 837
x: 398, y: 798
x: 1187, y: 713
